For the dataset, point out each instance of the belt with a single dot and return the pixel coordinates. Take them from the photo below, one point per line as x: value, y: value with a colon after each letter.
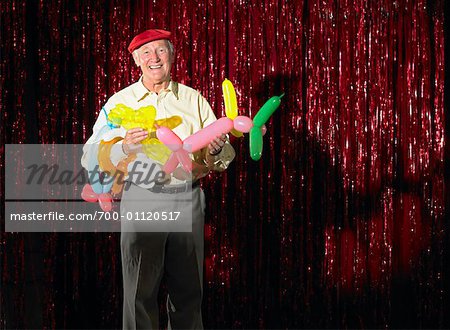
x: 174, y: 189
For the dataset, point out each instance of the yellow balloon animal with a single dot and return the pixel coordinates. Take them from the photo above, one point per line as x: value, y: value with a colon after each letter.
x: 144, y: 117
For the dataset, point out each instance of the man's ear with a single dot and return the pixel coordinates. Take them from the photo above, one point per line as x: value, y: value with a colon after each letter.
x: 136, y: 58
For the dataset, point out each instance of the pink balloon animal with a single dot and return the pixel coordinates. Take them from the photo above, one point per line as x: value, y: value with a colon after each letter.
x: 181, y: 149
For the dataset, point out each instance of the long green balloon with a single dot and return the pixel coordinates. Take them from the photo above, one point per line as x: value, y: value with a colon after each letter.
x: 256, y: 143
x: 267, y: 110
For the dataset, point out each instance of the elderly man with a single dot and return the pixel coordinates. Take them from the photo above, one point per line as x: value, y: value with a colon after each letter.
x: 148, y: 256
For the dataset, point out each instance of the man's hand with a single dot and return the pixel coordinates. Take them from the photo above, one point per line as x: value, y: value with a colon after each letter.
x: 217, y: 144
x: 132, y: 140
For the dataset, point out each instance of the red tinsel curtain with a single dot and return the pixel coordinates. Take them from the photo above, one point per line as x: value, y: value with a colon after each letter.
x: 341, y: 224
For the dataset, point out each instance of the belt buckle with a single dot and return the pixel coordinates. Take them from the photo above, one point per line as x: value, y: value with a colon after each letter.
x: 160, y: 188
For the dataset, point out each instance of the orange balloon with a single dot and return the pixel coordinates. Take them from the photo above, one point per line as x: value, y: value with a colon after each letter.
x: 122, y: 167
x: 104, y: 152
x: 105, y: 164
x: 170, y: 122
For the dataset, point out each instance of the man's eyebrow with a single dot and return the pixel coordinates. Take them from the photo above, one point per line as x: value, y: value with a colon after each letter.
x: 155, y: 47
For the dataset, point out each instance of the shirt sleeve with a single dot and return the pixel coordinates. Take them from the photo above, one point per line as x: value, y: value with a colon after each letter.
x: 222, y: 160
x: 102, y: 131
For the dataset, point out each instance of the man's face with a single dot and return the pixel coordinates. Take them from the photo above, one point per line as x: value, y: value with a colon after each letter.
x: 155, y: 60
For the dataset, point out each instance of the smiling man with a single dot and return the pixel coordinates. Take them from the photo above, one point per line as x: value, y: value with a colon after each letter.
x: 155, y: 59
x: 147, y: 257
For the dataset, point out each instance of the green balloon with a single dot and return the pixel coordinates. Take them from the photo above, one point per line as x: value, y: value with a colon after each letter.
x: 267, y: 110
x: 256, y: 143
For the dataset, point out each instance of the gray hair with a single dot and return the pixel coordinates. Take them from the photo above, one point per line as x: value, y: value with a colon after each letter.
x: 171, y: 48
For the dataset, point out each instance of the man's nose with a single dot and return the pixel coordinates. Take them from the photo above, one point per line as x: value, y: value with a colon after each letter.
x: 154, y: 57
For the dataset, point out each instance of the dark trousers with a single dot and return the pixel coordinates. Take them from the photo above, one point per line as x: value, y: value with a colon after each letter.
x: 148, y: 256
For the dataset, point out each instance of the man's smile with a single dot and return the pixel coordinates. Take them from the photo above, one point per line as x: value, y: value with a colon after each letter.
x: 155, y: 66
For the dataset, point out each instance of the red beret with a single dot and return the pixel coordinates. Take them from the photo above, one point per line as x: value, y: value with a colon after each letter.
x: 147, y: 36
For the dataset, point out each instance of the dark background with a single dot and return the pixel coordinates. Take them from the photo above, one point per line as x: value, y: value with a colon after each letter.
x: 343, y: 222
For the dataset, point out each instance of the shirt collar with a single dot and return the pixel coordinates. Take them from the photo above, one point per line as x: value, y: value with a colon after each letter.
x: 141, y: 92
